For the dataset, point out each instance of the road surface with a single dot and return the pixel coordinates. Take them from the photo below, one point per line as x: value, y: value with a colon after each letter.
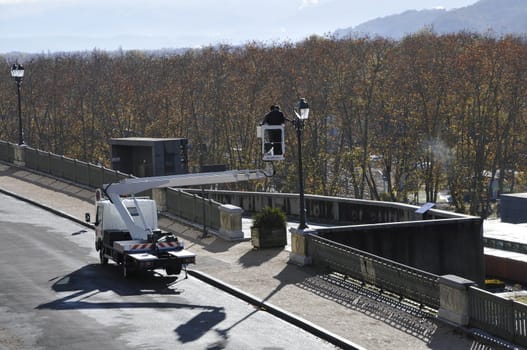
x: 55, y: 295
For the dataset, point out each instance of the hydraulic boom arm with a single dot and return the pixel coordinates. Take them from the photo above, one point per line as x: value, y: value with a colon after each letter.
x: 132, y: 186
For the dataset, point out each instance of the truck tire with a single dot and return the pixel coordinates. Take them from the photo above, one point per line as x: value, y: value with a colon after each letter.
x: 102, y: 257
x: 173, y: 269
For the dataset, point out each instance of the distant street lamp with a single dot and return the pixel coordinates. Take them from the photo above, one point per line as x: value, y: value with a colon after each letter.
x: 302, y: 114
x: 17, y: 73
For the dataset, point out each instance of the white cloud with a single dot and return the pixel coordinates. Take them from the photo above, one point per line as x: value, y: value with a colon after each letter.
x: 308, y: 3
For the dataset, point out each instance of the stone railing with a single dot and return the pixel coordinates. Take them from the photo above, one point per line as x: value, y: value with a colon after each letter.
x: 502, y: 317
x: 224, y: 220
x: 458, y: 300
x: 329, y: 210
x: 73, y: 170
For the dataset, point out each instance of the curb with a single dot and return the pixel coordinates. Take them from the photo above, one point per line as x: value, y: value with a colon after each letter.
x: 277, y: 312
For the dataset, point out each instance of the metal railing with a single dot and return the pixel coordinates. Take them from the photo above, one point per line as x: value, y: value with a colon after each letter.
x: 83, y: 173
x: 502, y: 244
x: 328, y: 210
x: 194, y: 208
x: 405, y: 281
x: 501, y: 317
x: 190, y: 207
x: 491, y: 313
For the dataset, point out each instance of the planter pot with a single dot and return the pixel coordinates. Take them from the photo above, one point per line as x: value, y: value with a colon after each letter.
x: 268, y: 238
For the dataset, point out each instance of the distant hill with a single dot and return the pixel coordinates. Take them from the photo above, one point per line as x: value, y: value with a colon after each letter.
x: 486, y: 16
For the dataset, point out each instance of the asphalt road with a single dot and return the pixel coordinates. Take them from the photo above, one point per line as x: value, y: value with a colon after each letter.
x: 55, y: 295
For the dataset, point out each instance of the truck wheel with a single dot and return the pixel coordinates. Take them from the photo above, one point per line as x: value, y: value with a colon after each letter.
x: 102, y: 257
x: 173, y: 270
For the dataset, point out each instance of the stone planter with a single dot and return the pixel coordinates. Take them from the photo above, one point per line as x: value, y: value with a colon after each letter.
x: 268, y: 238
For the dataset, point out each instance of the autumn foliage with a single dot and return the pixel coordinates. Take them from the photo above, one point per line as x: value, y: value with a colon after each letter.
x: 389, y: 119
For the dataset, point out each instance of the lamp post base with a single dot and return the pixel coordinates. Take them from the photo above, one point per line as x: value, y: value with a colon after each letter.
x: 298, y: 255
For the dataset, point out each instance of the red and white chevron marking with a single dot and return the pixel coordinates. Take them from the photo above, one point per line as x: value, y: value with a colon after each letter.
x: 141, y: 246
x: 168, y: 244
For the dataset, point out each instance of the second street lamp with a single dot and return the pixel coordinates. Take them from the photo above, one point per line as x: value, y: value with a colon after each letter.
x: 302, y: 113
x: 17, y: 73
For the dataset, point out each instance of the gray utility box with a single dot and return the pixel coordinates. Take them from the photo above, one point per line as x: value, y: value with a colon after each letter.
x: 144, y: 157
x: 513, y: 208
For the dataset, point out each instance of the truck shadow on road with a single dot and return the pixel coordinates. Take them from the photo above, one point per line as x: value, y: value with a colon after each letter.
x: 88, y: 289
x: 89, y: 284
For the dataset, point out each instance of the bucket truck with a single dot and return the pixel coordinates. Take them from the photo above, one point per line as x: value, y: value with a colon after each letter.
x: 126, y: 227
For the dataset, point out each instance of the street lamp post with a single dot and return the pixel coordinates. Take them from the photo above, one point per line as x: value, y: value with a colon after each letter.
x: 17, y: 73
x: 302, y: 113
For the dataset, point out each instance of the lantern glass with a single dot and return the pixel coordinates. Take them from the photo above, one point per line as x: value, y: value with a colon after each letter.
x: 303, y: 109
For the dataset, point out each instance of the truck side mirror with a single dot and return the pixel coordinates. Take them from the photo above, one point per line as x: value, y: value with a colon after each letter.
x: 87, y: 217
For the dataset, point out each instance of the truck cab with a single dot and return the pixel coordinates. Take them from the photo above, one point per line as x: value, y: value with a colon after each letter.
x: 107, y: 217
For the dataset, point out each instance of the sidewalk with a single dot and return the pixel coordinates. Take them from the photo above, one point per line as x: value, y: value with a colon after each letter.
x: 339, y: 306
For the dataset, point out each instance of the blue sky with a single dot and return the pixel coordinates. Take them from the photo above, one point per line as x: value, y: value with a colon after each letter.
x: 72, y: 25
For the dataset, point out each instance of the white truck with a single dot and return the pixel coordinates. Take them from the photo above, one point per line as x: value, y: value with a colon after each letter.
x: 126, y: 228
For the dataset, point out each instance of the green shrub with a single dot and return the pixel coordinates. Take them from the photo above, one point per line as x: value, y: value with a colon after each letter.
x: 269, y: 217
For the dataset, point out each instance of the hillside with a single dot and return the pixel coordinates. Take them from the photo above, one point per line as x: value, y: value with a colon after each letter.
x: 486, y: 16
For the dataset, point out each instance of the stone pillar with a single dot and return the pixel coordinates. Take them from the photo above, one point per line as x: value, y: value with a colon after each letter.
x: 454, y: 301
x: 231, y: 222
x: 299, y: 255
x: 20, y: 154
x: 160, y: 196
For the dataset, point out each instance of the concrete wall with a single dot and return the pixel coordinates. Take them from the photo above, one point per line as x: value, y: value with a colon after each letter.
x: 441, y: 247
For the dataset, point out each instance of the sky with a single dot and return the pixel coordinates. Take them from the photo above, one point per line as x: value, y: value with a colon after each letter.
x: 42, y: 26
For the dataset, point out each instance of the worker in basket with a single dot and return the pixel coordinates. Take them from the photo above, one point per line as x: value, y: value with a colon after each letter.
x: 274, y: 117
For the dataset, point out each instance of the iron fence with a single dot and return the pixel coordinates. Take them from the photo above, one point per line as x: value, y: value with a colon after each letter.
x: 405, y: 281
x: 502, y: 244
x: 498, y: 316
x: 194, y: 208
x: 87, y: 174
